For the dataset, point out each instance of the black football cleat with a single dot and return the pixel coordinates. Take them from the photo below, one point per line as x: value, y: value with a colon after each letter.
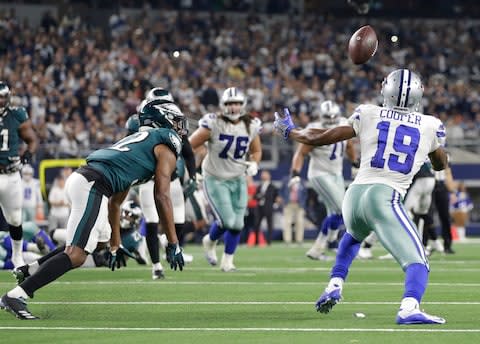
x: 17, y: 306
x: 21, y: 273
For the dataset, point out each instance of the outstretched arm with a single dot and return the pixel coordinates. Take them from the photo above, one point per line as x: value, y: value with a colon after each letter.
x: 322, y: 137
x: 311, y: 136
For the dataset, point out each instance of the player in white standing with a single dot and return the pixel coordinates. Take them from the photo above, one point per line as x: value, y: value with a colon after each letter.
x: 231, y: 136
x: 325, y: 173
x: 395, y: 140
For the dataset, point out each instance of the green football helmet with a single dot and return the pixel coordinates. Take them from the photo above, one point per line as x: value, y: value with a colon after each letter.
x: 132, y: 125
x: 158, y: 114
x: 4, y: 97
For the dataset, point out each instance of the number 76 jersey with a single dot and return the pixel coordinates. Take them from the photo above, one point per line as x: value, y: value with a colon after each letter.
x: 393, y: 144
x: 228, y: 145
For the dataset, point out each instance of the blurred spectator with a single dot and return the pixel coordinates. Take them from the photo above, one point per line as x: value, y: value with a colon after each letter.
x: 32, y: 209
x: 267, y: 197
x: 294, y: 199
x: 59, y: 207
x: 460, y: 207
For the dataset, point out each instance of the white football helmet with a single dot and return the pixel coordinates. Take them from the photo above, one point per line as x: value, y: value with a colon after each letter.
x: 329, y: 113
x: 233, y: 95
x: 130, y: 215
x: 402, y: 89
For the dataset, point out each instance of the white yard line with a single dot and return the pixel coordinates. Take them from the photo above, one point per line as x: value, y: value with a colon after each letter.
x: 98, y: 303
x: 239, y: 329
x: 320, y: 283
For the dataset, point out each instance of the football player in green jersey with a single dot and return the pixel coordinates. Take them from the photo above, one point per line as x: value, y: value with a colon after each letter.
x: 15, y: 127
x: 96, y: 192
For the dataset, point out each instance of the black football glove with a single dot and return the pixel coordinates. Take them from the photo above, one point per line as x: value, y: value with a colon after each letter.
x: 26, y: 157
x: 14, y: 166
x: 175, y: 256
x: 116, y: 259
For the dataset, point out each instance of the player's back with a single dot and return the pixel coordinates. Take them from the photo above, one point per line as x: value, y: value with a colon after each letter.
x: 132, y: 160
x: 327, y: 159
x: 394, y: 144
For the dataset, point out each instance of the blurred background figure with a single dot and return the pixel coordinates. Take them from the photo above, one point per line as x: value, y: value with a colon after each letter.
x: 460, y: 207
x: 267, y: 198
x: 32, y: 209
x: 59, y: 208
x: 294, y: 199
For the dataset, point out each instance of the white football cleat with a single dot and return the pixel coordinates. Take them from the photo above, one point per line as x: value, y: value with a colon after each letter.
x: 209, y: 247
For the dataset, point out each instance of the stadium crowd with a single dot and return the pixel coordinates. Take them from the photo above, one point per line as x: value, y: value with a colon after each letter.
x: 80, y: 82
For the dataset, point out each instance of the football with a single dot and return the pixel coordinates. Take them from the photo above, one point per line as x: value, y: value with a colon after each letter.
x: 362, y: 45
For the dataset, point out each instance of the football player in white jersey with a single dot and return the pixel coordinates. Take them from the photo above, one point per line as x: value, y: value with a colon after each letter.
x: 230, y: 136
x: 395, y: 140
x: 325, y: 173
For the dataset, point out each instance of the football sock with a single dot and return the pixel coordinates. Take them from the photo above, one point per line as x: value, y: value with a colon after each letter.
x: 416, y: 280
x: 231, y: 238
x: 325, y: 225
x: 347, y: 251
x: 153, y: 244
x: 16, y: 232
x: 215, y: 231
x: 46, y: 273
x: 49, y: 255
x: 179, y: 229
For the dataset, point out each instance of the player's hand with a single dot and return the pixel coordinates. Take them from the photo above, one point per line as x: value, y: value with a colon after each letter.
x: 252, y: 168
x: 356, y: 163
x: 117, y: 259
x: 175, y: 256
x: 190, y: 187
x: 283, y: 124
x: 14, y: 166
x: 26, y: 157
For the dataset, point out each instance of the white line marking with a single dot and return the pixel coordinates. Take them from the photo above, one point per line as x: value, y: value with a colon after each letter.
x: 240, y: 329
x: 320, y: 283
x: 97, y: 303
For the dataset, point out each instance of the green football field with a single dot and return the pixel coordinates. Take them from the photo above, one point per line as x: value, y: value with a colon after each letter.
x: 270, y: 299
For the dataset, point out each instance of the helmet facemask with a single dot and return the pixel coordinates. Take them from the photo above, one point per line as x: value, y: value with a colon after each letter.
x: 233, y: 104
x: 329, y: 113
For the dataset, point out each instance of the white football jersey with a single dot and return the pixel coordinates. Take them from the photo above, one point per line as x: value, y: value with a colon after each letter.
x: 228, y: 145
x: 393, y: 144
x: 327, y: 159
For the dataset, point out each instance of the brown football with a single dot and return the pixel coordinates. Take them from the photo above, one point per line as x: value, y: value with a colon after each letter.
x: 362, y: 45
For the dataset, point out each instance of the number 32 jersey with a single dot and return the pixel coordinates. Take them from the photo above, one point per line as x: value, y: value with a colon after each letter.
x: 393, y: 144
x: 228, y: 145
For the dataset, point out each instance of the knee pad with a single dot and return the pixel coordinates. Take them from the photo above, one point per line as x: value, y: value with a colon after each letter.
x: 14, y: 218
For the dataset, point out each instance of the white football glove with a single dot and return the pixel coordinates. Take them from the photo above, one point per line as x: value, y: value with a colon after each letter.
x: 252, y: 168
x: 294, y: 180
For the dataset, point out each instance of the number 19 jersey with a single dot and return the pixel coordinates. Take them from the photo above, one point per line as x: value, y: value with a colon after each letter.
x: 393, y: 144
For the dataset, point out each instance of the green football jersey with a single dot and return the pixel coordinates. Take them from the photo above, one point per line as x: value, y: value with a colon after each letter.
x: 9, y: 133
x: 131, y: 160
